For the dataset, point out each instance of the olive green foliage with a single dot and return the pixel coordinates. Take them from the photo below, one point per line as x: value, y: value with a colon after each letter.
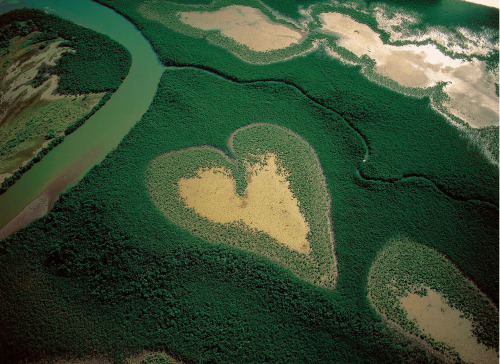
x: 88, y: 68
x: 307, y: 184
x: 404, y: 266
x: 491, y: 135
x: 26, y: 133
x: 55, y: 141
x: 393, y: 167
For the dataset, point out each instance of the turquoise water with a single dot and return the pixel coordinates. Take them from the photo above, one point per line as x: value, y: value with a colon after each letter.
x: 111, y: 123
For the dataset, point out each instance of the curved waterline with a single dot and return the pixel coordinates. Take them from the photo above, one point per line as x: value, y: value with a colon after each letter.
x: 107, y: 127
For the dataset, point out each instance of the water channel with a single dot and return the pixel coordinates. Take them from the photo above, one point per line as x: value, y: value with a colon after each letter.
x: 88, y: 146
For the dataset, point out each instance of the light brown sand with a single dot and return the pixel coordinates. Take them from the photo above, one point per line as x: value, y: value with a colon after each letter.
x: 17, y: 78
x: 445, y: 324
x: 246, y: 25
x: 35, y: 209
x: 140, y: 357
x: 268, y: 204
x: 470, y: 87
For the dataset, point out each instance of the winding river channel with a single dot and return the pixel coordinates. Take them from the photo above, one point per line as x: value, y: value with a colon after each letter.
x: 66, y: 164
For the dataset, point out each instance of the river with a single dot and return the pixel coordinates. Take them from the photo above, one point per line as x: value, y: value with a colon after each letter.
x: 66, y: 164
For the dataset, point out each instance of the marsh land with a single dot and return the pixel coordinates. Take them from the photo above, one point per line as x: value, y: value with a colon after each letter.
x: 311, y: 182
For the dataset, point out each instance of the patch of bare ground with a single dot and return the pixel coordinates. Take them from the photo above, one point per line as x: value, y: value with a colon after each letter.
x: 268, y: 204
x: 151, y: 355
x: 453, y: 320
x: 470, y: 87
x: 246, y: 25
x: 446, y: 324
x: 272, y: 200
x: 16, y: 78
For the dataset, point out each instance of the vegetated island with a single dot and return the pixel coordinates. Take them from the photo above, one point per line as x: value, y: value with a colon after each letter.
x: 271, y: 199
x: 420, y: 291
x: 54, y: 75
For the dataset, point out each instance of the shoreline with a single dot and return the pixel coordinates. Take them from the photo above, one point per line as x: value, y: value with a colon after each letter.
x: 41, y: 205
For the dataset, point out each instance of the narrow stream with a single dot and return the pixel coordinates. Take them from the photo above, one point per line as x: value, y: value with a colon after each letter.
x: 106, y: 128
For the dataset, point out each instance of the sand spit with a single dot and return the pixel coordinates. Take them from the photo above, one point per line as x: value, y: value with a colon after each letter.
x: 268, y: 204
x: 446, y: 324
x: 246, y: 25
x: 471, y: 89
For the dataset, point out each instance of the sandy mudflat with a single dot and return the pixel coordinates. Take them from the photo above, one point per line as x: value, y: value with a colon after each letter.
x: 490, y: 3
x: 436, y: 318
x: 35, y: 209
x: 470, y: 87
x: 246, y: 25
x: 268, y: 204
x: 42, y: 204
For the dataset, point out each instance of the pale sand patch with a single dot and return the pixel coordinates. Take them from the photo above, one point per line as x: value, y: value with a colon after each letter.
x: 16, y: 82
x: 490, y: 3
x: 268, y: 204
x: 133, y: 359
x: 399, y: 25
x: 445, y: 324
x: 470, y: 87
x: 246, y: 25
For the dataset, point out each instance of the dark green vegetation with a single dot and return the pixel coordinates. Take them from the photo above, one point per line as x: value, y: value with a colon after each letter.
x: 171, y: 20
x: 404, y: 267
x: 97, y: 65
x: 86, y: 70
x: 107, y: 248
x: 109, y: 273
x: 165, y: 14
x: 404, y: 136
x: 307, y: 184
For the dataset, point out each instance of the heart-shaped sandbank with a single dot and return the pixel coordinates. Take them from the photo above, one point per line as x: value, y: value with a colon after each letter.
x: 272, y: 200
